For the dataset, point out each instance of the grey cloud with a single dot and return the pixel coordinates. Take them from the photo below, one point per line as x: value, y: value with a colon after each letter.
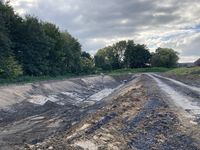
x: 114, y: 19
x: 193, y: 49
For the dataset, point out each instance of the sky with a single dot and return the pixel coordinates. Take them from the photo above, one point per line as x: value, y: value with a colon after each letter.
x: 99, y: 23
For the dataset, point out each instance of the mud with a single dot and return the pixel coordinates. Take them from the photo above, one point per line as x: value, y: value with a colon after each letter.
x: 135, y: 117
x: 46, y: 109
x: 118, y: 113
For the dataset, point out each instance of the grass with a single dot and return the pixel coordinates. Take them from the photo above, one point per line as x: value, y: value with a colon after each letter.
x: 138, y: 70
x: 186, y: 71
x: 33, y: 79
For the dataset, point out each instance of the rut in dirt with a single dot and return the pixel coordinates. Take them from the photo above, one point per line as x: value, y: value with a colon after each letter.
x: 184, y: 96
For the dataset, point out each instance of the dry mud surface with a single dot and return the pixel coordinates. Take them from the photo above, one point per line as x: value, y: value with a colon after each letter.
x: 142, y: 112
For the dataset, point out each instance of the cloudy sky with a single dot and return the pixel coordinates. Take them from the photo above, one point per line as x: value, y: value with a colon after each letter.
x: 97, y: 23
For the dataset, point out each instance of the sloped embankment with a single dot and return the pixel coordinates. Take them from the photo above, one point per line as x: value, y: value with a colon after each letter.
x: 31, y: 113
x: 134, y: 117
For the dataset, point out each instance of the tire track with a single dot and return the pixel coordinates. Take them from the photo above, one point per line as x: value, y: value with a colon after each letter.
x: 188, y: 103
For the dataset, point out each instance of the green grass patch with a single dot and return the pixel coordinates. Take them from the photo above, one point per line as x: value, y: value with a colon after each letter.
x: 138, y: 70
x: 33, y: 79
x: 186, y: 71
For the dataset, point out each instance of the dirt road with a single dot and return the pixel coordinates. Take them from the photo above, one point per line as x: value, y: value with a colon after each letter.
x: 146, y: 111
x: 183, y: 96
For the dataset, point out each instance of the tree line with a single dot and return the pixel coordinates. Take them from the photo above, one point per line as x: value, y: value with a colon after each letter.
x: 31, y: 47
x: 127, y: 54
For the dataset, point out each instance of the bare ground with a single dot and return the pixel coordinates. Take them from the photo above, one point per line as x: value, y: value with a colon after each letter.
x: 140, y: 115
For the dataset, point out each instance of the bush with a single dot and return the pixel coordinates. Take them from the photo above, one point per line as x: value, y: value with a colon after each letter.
x: 10, y: 68
x: 87, y: 65
x: 164, y: 57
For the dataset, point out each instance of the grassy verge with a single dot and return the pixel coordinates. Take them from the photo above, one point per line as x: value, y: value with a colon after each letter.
x: 33, y: 79
x: 138, y: 70
x: 185, y: 71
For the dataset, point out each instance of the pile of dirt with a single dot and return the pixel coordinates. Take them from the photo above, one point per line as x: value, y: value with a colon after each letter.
x: 137, y: 118
x: 35, y: 112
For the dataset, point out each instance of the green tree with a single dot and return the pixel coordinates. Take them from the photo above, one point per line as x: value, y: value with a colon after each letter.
x: 35, y: 48
x: 136, y: 56
x: 119, y: 50
x: 9, y: 67
x: 85, y: 55
x: 122, y: 54
x: 113, y: 57
x: 164, y: 57
x: 103, y: 58
x: 72, y: 53
x: 87, y: 63
x: 39, y: 47
x: 56, y: 52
